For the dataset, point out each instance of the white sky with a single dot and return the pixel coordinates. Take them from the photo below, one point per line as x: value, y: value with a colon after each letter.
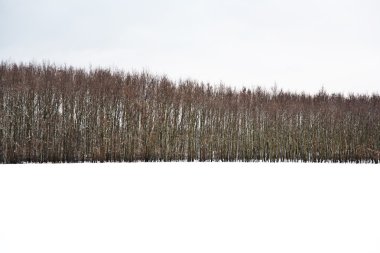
x: 300, y: 45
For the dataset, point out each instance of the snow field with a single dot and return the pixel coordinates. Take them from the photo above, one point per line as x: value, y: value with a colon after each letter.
x: 189, y: 207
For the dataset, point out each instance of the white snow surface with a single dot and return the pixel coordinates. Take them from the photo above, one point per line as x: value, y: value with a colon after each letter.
x: 190, y: 207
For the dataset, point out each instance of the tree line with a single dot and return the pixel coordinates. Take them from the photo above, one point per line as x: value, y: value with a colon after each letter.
x: 51, y: 113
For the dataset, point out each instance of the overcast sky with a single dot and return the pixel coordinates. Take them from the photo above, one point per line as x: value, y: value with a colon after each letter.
x: 299, y: 44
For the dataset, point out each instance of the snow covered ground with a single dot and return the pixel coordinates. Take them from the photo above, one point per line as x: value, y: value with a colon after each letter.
x: 190, y: 207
